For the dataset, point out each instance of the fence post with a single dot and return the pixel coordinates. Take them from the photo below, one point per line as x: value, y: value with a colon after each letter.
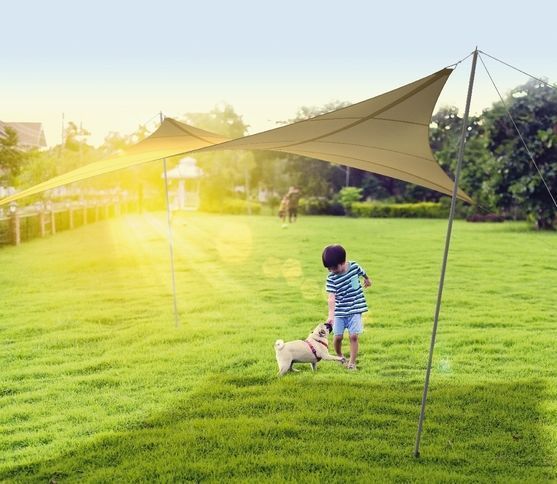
x: 42, y: 224
x: 15, y: 227
x: 70, y: 216
x: 52, y: 221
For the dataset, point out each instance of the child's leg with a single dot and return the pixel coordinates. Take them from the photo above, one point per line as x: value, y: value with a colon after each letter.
x: 355, y: 327
x: 353, y: 349
x: 337, y: 343
x: 338, y: 332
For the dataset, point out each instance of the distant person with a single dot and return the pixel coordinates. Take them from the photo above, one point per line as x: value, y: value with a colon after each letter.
x: 283, y: 210
x: 293, y: 200
x: 346, y: 299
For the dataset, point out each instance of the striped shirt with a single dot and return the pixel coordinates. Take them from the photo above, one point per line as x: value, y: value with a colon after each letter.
x: 349, y: 297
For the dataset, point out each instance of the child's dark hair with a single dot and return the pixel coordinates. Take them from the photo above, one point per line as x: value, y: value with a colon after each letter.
x: 333, y: 255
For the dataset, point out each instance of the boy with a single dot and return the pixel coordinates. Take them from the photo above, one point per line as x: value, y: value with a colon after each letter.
x: 346, y: 298
x: 293, y: 199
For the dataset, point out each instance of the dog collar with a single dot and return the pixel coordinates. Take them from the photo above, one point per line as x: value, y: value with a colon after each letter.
x: 324, y: 344
x: 312, y: 349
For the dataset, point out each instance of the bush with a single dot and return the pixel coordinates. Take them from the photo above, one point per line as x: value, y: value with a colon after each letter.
x: 349, y: 195
x: 399, y: 210
x: 488, y: 217
x: 320, y: 206
x: 232, y: 206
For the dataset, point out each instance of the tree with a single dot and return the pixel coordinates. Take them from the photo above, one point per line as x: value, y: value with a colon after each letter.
x: 136, y: 178
x: 224, y: 170
x: 533, y: 106
x: 12, y: 158
x: 74, y: 152
x: 477, y: 165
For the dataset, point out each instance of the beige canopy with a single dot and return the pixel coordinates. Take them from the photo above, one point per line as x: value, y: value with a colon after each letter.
x: 170, y: 139
x: 387, y: 134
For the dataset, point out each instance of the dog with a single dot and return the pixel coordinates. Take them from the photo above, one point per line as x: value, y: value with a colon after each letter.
x: 310, y: 350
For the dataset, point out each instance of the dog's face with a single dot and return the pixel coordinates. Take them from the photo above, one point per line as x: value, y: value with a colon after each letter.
x: 320, y: 331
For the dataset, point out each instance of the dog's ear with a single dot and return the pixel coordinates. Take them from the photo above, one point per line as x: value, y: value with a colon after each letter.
x: 329, y: 327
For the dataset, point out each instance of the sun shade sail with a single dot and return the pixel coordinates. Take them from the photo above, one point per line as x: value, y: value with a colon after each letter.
x: 387, y: 134
x: 169, y: 139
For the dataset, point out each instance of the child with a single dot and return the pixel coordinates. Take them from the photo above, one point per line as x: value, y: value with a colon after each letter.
x: 346, y: 298
x: 293, y: 196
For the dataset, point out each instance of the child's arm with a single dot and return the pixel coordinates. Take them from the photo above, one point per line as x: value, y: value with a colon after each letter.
x: 367, y: 281
x: 331, y: 301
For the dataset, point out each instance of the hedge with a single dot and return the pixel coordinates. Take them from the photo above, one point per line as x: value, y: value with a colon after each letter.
x: 231, y: 206
x: 399, y: 210
x: 488, y: 217
x: 320, y: 206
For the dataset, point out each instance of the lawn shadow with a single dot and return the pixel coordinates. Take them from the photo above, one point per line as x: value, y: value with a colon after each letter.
x: 311, y: 428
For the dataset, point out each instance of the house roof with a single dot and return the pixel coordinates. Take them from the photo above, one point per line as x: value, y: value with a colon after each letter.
x: 30, y: 135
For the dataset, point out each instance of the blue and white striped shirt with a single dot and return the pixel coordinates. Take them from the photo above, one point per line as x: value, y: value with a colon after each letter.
x: 349, y: 296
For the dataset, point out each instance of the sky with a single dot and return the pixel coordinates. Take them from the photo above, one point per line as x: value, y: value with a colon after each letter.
x: 114, y: 65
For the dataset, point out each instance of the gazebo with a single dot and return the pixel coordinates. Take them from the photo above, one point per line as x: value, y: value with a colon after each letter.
x: 188, y: 175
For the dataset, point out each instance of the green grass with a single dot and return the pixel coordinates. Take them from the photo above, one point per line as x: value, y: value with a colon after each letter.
x: 97, y: 384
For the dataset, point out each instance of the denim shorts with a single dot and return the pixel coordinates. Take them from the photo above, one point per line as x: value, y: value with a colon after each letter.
x: 352, y: 322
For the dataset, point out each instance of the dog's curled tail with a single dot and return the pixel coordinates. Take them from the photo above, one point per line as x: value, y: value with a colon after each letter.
x: 279, y: 344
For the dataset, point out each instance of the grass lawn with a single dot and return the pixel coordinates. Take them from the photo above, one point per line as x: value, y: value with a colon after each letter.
x: 98, y: 384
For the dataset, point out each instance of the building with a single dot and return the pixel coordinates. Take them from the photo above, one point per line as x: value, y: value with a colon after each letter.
x: 29, y: 135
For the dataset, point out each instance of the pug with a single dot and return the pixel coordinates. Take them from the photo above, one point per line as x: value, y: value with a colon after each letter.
x: 311, y: 350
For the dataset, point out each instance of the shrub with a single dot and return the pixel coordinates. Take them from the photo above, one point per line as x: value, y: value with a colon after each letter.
x: 399, y: 210
x: 320, y: 206
x: 348, y: 196
x: 488, y: 217
x: 232, y: 206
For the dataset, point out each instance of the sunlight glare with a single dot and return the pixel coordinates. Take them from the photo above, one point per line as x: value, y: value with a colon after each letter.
x: 292, y: 271
x: 234, y: 242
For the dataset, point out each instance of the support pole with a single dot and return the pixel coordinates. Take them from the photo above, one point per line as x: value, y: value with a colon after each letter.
x: 170, y: 239
x: 446, y: 253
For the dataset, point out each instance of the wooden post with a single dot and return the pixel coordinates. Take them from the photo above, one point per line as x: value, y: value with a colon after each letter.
x: 52, y: 222
x: 70, y: 216
x: 42, y: 223
x: 15, y: 227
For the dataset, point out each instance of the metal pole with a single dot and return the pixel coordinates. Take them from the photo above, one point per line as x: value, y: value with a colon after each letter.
x: 446, y: 253
x: 170, y: 239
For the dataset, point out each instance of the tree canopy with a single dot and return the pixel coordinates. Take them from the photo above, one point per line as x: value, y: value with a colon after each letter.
x: 515, y: 180
x: 12, y: 158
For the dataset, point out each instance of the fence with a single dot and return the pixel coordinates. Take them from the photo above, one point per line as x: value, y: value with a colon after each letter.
x: 19, y: 225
